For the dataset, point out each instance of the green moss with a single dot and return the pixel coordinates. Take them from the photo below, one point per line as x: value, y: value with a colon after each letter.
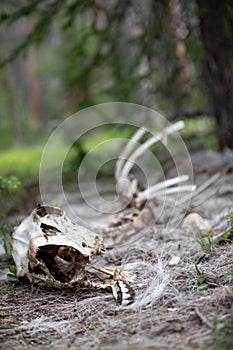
x: 22, y: 162
x: 9, y: 184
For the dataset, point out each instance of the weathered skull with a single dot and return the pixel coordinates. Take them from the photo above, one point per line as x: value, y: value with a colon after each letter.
x: 48, y: 247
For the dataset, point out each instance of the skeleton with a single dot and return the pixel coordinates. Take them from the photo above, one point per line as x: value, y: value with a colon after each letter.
x: 49, y: 248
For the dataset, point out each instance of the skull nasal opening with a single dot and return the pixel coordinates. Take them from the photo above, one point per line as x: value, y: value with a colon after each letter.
x: 63, y: 262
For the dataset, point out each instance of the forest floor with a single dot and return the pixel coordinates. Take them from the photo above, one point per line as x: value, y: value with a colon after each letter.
x: 187, y: 305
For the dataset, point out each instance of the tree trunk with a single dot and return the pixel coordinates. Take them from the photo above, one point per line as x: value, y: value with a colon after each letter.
x: 182, y: 75
x: 218, y: 66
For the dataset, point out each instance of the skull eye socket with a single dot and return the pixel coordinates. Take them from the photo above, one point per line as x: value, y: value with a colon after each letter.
x: 41, y: 211
x: 45, y: 210
x: 63, y: 262
x: 46, y: 228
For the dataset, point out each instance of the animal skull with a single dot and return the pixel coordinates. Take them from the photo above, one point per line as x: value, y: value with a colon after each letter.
x: 48, y: 247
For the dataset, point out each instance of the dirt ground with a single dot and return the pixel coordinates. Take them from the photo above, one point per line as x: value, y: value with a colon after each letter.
x: 187, y: 305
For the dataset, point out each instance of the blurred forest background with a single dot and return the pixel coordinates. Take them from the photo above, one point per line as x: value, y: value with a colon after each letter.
x: 57, y: 57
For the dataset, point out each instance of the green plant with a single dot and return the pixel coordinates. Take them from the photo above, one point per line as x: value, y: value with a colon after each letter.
x: 202, y: 284
x: 23, y: 162
x: 9, y: 191
x: 227, y: 236
x: 230, y: 273
x: 9, y: 187
x: 11, y: 276
x: 205, y: 243
x: 222, y: 333
x: 95, y: 328
x: 9, y: 184
x: 208, y: 241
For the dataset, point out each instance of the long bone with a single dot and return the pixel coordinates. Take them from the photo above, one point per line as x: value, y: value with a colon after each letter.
x: 126, y: 151
x: 149, y: 192
x: 176, y: 189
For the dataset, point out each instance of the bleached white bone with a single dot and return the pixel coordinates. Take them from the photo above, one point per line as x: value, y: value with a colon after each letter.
x: 47, y: 240
x: 47, y: 247
x: 147, y: 144
x: 126, y: 151
x: 149, y: 192
x: 177, y: 189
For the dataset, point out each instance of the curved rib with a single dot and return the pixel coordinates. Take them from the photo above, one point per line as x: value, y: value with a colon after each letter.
x: 147, y: 144
x: 126, y: 151
x: 161, y: 185
x: 188, y: 188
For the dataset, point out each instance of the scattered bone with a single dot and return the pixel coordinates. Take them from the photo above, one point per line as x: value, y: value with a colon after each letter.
x: 124, y: 294
x: 174, y: 260
x: 196, y: 222
x: 107, y: 273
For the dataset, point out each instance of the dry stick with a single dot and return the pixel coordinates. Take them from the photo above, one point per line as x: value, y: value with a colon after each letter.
x: 147, y: 144
x: 161, y: 185
x: 129, y: 146
x: 203, y: 186
x: 203, y: 318
x: 207, y: 195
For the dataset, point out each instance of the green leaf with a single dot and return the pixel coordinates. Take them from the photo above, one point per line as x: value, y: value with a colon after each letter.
x: 12, y: 278
x: 201, y: 279
x: 203, y: 287
x: 12, y: 269
x: 197, y: 270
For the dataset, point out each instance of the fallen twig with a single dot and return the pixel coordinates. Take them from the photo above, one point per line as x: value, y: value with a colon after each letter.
x: 203, y: 318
